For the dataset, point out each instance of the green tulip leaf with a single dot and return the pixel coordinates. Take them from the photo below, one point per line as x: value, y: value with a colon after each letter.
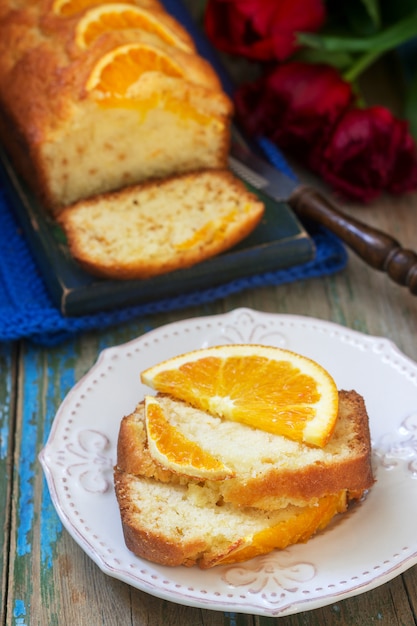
x: 339, y: 60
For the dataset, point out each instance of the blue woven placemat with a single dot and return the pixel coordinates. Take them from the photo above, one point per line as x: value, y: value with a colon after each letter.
x: 26, y: 310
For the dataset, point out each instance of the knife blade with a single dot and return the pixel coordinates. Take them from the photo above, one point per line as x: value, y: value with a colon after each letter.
x: 376, y: 248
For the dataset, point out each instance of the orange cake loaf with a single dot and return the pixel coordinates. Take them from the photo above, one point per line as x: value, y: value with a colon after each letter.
x: 245, y: 449
x: 95, y: 96
x: 160, y: 226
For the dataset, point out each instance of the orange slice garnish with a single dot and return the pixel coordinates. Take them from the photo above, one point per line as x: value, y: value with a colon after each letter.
x: 120, y: 16
x: 274, y: 390
x: 173, y: 450
x: 298, y: 525
x: 122, y: 67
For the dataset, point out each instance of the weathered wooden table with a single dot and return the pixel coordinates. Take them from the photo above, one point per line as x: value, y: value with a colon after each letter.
x: 47, y: 579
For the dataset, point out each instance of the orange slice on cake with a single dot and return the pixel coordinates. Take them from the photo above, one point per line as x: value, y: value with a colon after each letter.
x: 172, y: 449
x: 122, y: 16
x: 298, y: 525
x: 122, y: 67
x: 272, y: 389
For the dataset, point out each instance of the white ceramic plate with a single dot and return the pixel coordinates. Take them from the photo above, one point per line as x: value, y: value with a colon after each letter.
x: 360, y: 551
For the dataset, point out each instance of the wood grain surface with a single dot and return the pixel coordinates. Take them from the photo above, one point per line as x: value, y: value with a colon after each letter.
x: 47, y: 580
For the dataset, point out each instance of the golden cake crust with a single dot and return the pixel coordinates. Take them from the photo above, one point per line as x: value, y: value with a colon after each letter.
x: 56, y: 129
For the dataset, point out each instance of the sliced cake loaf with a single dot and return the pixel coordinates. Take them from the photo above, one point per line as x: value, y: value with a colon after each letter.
x: 267, y: 471
x: 82, y: 115
x: 177, y: 525
x: 272, y: 455
x: 160, y: 226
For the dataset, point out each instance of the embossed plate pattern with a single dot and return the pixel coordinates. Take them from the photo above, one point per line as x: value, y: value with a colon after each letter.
x: 379, y: 533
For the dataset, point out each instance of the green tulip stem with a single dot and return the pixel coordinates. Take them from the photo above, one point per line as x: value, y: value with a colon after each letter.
x: 387, y: 39
x: 361, y: 64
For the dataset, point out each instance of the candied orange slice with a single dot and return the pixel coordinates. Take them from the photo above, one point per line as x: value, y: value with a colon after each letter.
x: 173, y: 450
x: 298, y: 525
x: 213, y: 230
x: 120, y: 16
x: 274, y: 390
x: 122, y: 67
x: 67, y: 8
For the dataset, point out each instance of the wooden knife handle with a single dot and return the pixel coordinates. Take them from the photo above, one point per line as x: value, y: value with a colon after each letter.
x: 376, y: 248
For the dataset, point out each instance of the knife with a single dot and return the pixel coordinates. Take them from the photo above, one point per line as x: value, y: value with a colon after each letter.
x: 376, y: 248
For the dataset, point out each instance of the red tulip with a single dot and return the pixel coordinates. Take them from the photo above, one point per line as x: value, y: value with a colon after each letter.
x: 308, y: 111
x: 369, y: 151
x: 295, y: 106
x: 262, y: 30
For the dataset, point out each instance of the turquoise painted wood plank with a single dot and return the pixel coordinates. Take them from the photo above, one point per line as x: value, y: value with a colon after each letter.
x: 7, y: 387
x: 36, y: 527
